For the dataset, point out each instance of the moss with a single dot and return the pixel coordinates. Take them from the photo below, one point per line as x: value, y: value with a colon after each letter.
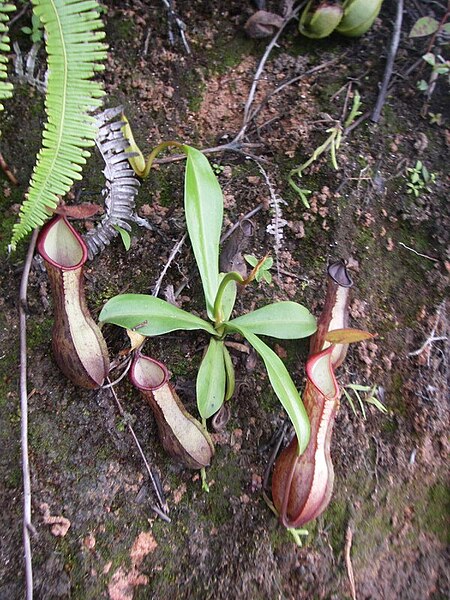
x: 337, y: 517
x: 39, y: 333
x: 396, y: 402
x: 432, y: 512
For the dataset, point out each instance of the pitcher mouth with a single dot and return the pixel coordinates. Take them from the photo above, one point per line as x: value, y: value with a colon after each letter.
x: 61, y: 245
x: 147, y: 373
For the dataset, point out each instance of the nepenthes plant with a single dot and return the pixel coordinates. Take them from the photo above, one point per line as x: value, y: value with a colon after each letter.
x: 152, y: 316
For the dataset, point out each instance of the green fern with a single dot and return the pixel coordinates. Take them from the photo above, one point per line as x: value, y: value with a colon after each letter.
x: 73, y: 33
x: 5, y: 86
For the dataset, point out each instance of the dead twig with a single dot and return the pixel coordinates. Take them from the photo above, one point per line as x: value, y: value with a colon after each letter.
x: 172, y: 17
x: 389, y: 63
x: 7, y: 171
x: 432, y: 337
x: 260, y: 69
x: 27, y: 525
x: 348, y: 561
x: 172, y: 255
x: 418, y: 253
x: 162, y: 510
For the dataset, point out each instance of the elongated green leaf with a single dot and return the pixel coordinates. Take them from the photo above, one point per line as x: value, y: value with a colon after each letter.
x: 203, y: 204
x: 228, y: 298
x: 149, y: 315
x: 211, y: 380
x: 229, y: 370
x: 283, y: 386
x: 73, y: 42
x: 283, y: 320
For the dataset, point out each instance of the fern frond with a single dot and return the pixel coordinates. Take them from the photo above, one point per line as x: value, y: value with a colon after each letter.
x: 73, y: 41
x: 121, y: 182
x: 5, y: 86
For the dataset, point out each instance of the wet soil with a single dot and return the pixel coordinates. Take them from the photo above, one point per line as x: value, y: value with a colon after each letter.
x: 391, y: 486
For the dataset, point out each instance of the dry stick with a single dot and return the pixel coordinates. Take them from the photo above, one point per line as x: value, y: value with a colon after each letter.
x: 389, y: 63
x: 27, y: 525
x: 7, y: 171
x: 431, y: 338
x: 259, y: 70
x: 248, y: 215
x: 291, y: 82
x: 161, y: 513
x: 348, y: 561
x: 172, y: 255
x: 418, y: 253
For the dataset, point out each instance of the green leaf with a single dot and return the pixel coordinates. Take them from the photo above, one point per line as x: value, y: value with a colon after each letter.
x: 283, y: 386
x: 149, y: 315
x: 203, y: 204
x: 229, y: 369
x: 73, y: 34
x: 267, y: 277
x: 446, y: 28
x: 422, y: 85
x: 252, y: 260
x: 228, y: 298
x: 126, y: 238
x: 424, y: 26
x: 283, y: 320
x: 211, y: 380
x: 429, y: 58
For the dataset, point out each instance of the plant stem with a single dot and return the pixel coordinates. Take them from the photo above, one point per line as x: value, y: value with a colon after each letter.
x: 27, y: 525
x: 154, y: 153
x: 232, y: 276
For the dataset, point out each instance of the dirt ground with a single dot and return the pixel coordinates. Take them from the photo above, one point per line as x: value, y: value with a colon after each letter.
x: 391, y: 487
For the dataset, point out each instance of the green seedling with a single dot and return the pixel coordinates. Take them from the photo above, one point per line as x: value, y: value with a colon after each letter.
x: 36, y: 31
x: 420, y: 179
x: 218, y: 169
x: 331, y: 144
x: 152, y: 316
x: 264, y: 269
x: 369, y: 397
x: 124, y: 236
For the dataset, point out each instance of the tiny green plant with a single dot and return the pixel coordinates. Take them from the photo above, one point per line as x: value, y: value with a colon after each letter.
x: 218, y: 169
x: 36, y: 31
x: 419, y: 179
x: 369, y: 397
x: 331, y: 144
x: 152, y: 316
x: 264, y: 268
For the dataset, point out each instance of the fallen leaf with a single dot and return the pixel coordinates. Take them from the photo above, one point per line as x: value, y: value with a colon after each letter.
x: 80, y: 211
x: 347, y: 336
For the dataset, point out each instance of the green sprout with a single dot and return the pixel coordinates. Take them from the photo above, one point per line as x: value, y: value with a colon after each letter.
x: 370, y: 397
x: 264, y: 269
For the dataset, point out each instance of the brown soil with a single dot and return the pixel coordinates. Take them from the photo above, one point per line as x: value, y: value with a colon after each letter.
x: 97, y: 536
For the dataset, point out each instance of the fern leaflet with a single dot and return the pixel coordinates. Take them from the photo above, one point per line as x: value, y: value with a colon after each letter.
x: 5, y: 86
x: 73, y: 41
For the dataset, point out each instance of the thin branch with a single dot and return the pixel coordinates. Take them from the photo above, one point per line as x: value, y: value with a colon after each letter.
x: 260, y: 69
x: 248, y: 215
x: 418, y: 253
x: 289, y: 82
x: 172, y: 255
x: 348, y: 561
x: 431, y: 338
x: 27, y: 525
x: 389, y: 63
x: 7, y: 171
x: 162, y: 512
